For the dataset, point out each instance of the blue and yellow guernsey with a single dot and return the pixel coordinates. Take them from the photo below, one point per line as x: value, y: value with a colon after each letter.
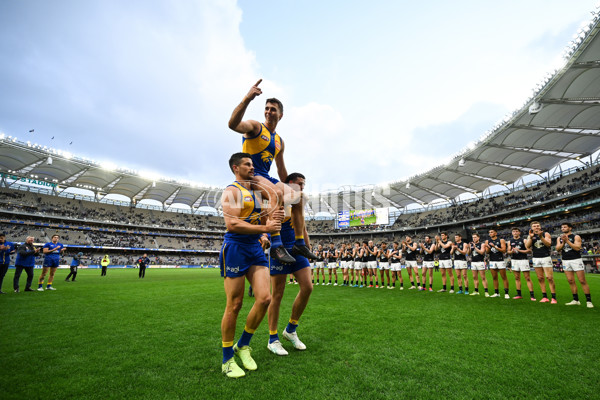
x: 250, y: 213
x: 263, y: 148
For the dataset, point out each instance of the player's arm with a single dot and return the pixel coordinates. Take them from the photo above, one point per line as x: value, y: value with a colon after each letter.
x: 236, y: 123
x: 233, y: 222
x: 281, y: 170
x: 448, y: 245
x: 502, y: 248
x: 464, y: 250
x: 482, y: 251
x: 546, y: 239
x: 528, y: 240
x: 47, y: 250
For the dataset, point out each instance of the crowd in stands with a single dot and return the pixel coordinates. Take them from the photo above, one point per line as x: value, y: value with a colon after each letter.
x: 102, y: 224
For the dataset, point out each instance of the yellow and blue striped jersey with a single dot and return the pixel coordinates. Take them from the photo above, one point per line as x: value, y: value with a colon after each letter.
x: 250, y: 212
x: 263, y: 148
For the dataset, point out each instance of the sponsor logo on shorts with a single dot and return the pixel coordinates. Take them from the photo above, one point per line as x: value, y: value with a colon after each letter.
x: 235, y: 270
x: 277, y: 267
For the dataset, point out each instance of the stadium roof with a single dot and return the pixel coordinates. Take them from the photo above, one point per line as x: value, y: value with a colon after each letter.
x: 560, y: 122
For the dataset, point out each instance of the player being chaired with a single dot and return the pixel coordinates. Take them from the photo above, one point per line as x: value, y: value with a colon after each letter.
x: 265, y: 146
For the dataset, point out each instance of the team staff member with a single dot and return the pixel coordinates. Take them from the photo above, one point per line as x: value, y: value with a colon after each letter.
x: 569, y: 245
x: 279, y: 271
x: 142, y: 262
x: 540, y: 242
x: 242, y: 257
x: 76, y: 262
x: 6, y: 249
x: 25, y: 262
x: 266, y: 146
x: 478, y: 250
x: 519, y: 263
x: 496, y: 249
x: 52, y: 252
x: 105, y: 262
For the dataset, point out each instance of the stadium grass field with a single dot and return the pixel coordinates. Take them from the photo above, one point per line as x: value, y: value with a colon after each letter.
x: 159, y: 338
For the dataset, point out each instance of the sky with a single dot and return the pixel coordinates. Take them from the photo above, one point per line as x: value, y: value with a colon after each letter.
x: 373, y: 92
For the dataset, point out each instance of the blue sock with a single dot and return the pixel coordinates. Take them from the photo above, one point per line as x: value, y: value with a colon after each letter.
x: 300, y: 241
x: 291, y: 326
x: 227, y: 352
x: 276, y: 241
x: 273, y: 337
x: 245, y: 339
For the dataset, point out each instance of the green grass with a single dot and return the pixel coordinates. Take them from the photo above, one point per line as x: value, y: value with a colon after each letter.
x: 159, y: 338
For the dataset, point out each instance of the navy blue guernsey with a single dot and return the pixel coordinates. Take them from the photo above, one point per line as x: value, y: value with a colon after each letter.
x: 458, y: 256
x: 495, y: 254
x: 427, y: 256
x: 475, y: 256
x: 567, y: 252
x: 518, y: 244
x: 540, y: 250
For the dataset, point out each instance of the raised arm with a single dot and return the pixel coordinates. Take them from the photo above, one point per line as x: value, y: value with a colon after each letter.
x: 236, y: 123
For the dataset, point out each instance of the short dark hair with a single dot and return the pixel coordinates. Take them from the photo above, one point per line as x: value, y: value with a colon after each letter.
x: 236, y: 159
x: 516, y: 229
x: 567, y: 224
x: 279, y: 104
x: 458, y: 234
x: 492, y: 229
x: 475, y: 234
x: 54, y: 235
x: 293, y: 176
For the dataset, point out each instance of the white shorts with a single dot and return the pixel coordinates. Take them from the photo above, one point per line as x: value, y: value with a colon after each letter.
x: 497, y: 265
x: 428, y: 264
x: 520, y: 265
x: 460, y: 264
x: 372, y: 264
x: 332, y: 265
x: 545, y: 262
x: 411, y: 264
x: 360, y: 264
x: 384, y: 265
x: 478, y: 266
x: 446, y: 264
x: 395, y: 266
x: 350, y: 264
x: 313, y: 265
x: 320, y: 264
x: 573, y: 265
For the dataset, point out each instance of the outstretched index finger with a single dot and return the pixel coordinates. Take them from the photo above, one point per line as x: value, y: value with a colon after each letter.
x: 258, y: 83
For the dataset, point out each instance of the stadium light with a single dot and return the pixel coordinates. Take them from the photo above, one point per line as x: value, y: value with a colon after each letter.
x: 408, y: 185
x: 461, y: 162
x: 49, y: 160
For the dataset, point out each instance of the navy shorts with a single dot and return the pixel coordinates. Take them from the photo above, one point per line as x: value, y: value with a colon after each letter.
x: 267, y: 177
x: 51, y: 262
x: 279, y: 269
x: 236, y: 258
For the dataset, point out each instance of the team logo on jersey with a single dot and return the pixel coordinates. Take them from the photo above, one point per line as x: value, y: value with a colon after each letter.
x: 247, y: 199
x: 266, y: 157
x: 264, y: 137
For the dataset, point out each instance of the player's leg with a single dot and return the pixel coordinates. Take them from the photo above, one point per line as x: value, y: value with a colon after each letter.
x: 502, y: 272
x: 549, y: 272
x: 585, y: 287
x: 451, y: 273
x: 465, y: 279
x: 539, y: 272
x: 494, y: 272
x: 234, y: 292
x: 444, y: 278
x: 45, y: 270
x: 475, y: 274
x: 277, y: 288
x: 416, y: 273
x: 300, y: 303
x: 51, y: 278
